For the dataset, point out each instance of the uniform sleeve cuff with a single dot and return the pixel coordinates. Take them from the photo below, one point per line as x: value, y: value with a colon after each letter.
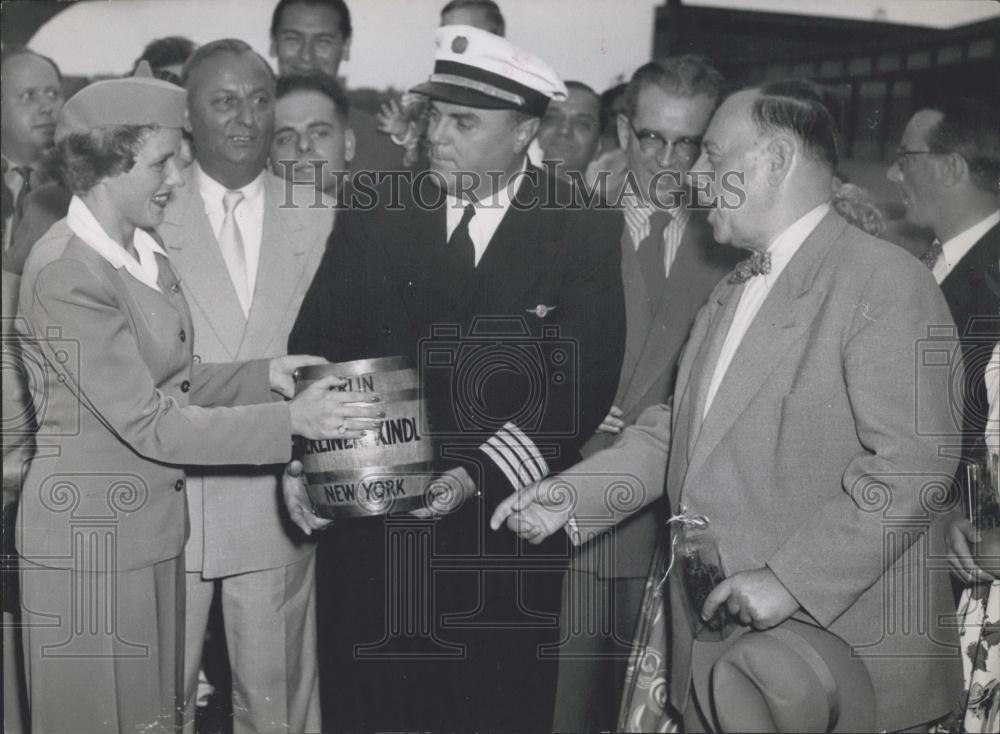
x: 517, y: 456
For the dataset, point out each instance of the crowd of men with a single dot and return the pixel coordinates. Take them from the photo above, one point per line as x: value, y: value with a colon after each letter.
x: 736, y: 356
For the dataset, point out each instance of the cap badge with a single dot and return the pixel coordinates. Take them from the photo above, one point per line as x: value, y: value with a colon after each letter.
x: 541, y: 310
x: 459, y: 44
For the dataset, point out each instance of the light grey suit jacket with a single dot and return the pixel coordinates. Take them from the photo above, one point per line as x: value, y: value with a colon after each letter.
x: 116, y: 411
x: 810, y: 462
x: 653, y: 342
x: 238, y: 521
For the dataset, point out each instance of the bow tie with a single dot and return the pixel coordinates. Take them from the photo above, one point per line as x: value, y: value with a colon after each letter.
x: 757, y: 264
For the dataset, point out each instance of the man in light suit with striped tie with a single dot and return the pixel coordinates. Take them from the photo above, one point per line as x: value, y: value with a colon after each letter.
x: 245, y: 258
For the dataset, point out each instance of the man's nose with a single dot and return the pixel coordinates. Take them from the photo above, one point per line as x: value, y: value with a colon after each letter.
x: 304, y: 143
x: 307, y: 53
x: 246, y: 114
x: 665, y: 154
x: 894, y: 173
x: 435, y: 132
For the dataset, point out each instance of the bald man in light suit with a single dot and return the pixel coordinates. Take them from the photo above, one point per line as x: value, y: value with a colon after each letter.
x: 238, y: 535
x: 795, y: 433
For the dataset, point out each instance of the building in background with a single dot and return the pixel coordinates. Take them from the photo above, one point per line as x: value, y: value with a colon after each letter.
x: 884, y: 71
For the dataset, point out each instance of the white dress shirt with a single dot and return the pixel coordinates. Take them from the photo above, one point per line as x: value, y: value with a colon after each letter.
x: 755, y: 291
x: 637, y: 221
x: 249, y: 216
x: 489, y: 213
x: 956, y: 248
x: 84, y: 225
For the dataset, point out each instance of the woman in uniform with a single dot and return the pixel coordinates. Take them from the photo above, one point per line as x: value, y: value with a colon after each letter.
x: 122, y: 404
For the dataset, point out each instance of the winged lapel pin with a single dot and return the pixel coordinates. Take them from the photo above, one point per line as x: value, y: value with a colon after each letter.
x: 541, y: 310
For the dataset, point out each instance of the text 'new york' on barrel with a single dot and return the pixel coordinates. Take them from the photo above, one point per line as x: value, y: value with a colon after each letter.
x: 388, y: 470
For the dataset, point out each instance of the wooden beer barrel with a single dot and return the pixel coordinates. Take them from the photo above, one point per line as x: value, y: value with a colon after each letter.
x: 387, y: 471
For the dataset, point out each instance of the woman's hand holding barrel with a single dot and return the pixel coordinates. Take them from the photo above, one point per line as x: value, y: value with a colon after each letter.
x: 321, y: 411
x: 300, y: 509
x: 282, y: 371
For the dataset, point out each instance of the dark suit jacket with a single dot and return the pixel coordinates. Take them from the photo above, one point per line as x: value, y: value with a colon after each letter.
x: 383, y: 289
x: 652, y: 346
x: 43, y: 207
x: 972, y: 291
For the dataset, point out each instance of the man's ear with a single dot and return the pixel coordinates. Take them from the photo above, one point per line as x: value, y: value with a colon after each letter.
x: 781, y: 156
x: 273, y: 49
x: 345, y: 51
x: 953, y: 169
x: 349, y: 145
x: 623, y: 131
x: 524, y: 133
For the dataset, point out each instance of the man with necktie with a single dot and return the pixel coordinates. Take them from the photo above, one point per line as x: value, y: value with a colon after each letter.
x: 948, y: 169
x: 795, y: 440
x: 670, y: 263
x: 31, y: 91
x: 32, y: 97
x: 245, y: 255
x: 510, y: 302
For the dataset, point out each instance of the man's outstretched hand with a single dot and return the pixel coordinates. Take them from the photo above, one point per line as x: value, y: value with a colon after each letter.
x: 537, y: 511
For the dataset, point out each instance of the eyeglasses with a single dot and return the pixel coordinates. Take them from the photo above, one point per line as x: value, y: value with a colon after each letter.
x: 902, y: 154
x: 686, y: 148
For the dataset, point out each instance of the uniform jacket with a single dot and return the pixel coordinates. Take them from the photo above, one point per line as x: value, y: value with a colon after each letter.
x: 810, y: 462
x: 548, y: 288
x: 238, y: 523
x: 652, y: 345
x: 121, y: 409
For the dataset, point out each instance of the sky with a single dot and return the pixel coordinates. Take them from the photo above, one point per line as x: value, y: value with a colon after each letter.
x: 596, y: 41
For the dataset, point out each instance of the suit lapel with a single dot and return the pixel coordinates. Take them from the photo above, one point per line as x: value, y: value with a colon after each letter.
x: 655, y: 350
x: 192, y: 246
x: 637, y: 316
x: 782, y: 319
x: 417, y: 259
x: 282, y: 257
x: 519, y: 253
x: 710, y: 346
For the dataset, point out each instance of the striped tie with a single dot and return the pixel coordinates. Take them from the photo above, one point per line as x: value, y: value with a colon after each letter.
x: 930, y: 257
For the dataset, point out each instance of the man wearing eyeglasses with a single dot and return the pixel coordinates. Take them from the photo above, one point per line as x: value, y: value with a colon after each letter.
x: 670, y: 263
x: 948, y: 169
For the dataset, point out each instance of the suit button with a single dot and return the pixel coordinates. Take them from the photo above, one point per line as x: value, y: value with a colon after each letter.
x: 178, y: 485
x: 196, y: 358
x: 183, y: 336
x: 185, y: 386
x: 385, y: 331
